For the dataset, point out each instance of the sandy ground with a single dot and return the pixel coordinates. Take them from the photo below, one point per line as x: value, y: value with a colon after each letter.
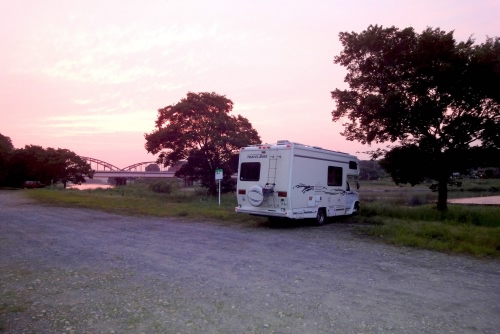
x: 488, y: 200
x: 65, y: 270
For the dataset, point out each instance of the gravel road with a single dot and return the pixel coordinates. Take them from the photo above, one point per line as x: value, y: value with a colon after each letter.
x: 65, y: 270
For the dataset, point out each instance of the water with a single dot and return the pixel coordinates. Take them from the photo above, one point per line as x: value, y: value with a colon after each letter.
x: 86, y: 186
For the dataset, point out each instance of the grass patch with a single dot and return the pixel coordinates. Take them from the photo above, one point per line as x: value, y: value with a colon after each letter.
x: 8, y: 306
x: 141, y: 200
x: 462, y: 238
x: 473, y: 230
x: 405, y: 215
x: 476, y: 215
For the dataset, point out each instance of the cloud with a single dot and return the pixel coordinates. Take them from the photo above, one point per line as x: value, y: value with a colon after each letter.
x: 97, y: 121
x: 116, y: 55
x: 82, y: 101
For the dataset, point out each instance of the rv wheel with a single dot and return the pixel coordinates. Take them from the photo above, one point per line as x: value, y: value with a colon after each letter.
x: 320, y: 217
x: 356, y: 209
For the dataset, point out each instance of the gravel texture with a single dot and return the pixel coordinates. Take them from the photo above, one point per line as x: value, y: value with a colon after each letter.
x: 65, y: 270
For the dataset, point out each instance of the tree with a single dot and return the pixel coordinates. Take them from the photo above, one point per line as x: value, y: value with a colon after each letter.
x: 152, y: 168
x: 24, y: 165
x: 66, y: 166
x: 47, y: 165
x: 199, y: 129
x: 5, y: 145
x: 434, y: 99
x: 6, y: 149
x: 371, y: 170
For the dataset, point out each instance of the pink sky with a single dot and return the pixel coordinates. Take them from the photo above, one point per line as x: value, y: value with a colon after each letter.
x: 90, y: 75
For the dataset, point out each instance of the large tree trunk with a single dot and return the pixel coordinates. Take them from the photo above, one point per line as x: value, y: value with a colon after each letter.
x: 442, y: 194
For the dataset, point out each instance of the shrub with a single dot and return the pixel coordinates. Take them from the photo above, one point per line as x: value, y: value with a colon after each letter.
x: 416, y: 200
x: 161, y: 187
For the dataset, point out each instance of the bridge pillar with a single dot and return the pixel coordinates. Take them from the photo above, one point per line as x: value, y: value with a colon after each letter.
x: 120, y: 181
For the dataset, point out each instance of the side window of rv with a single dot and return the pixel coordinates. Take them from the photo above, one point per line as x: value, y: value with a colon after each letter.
x: 250, y: 171
x: 334, y: 176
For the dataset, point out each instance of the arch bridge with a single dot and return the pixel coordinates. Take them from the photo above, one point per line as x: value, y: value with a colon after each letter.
x: 104, y: 169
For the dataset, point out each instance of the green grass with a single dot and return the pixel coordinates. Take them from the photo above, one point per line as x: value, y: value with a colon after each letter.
x: 137, y: 199
x: 10, y: 303
x: 440, y: 236
x: 488, y: 216
x: 400, y: 215
x: 406, y: 216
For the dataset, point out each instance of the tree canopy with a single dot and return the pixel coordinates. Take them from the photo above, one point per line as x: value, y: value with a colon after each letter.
x: 5, y: 145
x: 6, y: 149
x: 436, y: 100
x: 200, y: 131
x: 34, y: 163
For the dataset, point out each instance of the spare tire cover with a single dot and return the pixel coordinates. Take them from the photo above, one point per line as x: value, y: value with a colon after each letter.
x: 255, y: 195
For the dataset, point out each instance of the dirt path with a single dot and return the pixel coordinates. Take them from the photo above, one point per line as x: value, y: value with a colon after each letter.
x: 486, y: 200
x: 68, y: 270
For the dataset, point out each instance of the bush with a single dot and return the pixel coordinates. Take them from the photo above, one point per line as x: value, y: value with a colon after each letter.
x: 161, y: 187
x: 416, y: 200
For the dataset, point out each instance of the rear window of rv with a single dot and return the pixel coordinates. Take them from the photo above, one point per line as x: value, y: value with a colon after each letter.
x: 250, y: 171
x: 334, y: 176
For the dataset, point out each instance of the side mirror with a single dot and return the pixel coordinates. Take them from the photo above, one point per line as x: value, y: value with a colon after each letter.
x: 357, y: 185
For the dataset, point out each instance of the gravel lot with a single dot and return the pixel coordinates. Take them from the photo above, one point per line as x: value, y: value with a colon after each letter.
x: 66, y: 270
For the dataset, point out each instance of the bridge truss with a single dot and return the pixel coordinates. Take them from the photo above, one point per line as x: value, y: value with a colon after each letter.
x: 99, y: 165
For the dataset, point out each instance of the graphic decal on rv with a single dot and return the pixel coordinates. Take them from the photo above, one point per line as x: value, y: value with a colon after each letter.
x: 335, y: 192
x: 305, y: 188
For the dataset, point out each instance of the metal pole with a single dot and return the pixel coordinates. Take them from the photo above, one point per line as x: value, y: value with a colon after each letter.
x: 219, y: 192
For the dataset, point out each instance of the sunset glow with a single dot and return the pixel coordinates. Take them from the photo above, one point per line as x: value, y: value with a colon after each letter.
x: 89, y: 76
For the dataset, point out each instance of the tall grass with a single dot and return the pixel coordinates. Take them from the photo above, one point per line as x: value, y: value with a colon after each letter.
x: 404, y: 215
x: 461, y: 238
x: 139, y: 199
x: 473, y: 230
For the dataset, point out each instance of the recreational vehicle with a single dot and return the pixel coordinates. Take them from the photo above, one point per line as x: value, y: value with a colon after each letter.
x: 291, y: 180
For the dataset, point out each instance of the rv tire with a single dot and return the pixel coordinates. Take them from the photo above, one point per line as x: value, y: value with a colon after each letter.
x: 320, y: 217
x: 355, y: 211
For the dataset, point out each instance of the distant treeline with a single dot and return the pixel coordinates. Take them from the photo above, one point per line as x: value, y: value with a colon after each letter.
x: 371, y: 170
x: 35, y: 165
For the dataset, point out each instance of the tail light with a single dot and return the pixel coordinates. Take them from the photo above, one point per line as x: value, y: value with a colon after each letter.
x: 282, y: 193
x: 242, y: 191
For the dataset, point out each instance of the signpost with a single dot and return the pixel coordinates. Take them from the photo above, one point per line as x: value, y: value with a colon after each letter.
x: 218, y: 177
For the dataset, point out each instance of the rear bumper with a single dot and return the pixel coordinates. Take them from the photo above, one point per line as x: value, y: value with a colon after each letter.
x: 264, y: 213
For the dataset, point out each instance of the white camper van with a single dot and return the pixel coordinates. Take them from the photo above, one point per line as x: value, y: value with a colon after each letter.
x: 291, y: 180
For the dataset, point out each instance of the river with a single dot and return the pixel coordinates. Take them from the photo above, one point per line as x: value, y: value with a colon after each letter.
x: 86, y: 186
